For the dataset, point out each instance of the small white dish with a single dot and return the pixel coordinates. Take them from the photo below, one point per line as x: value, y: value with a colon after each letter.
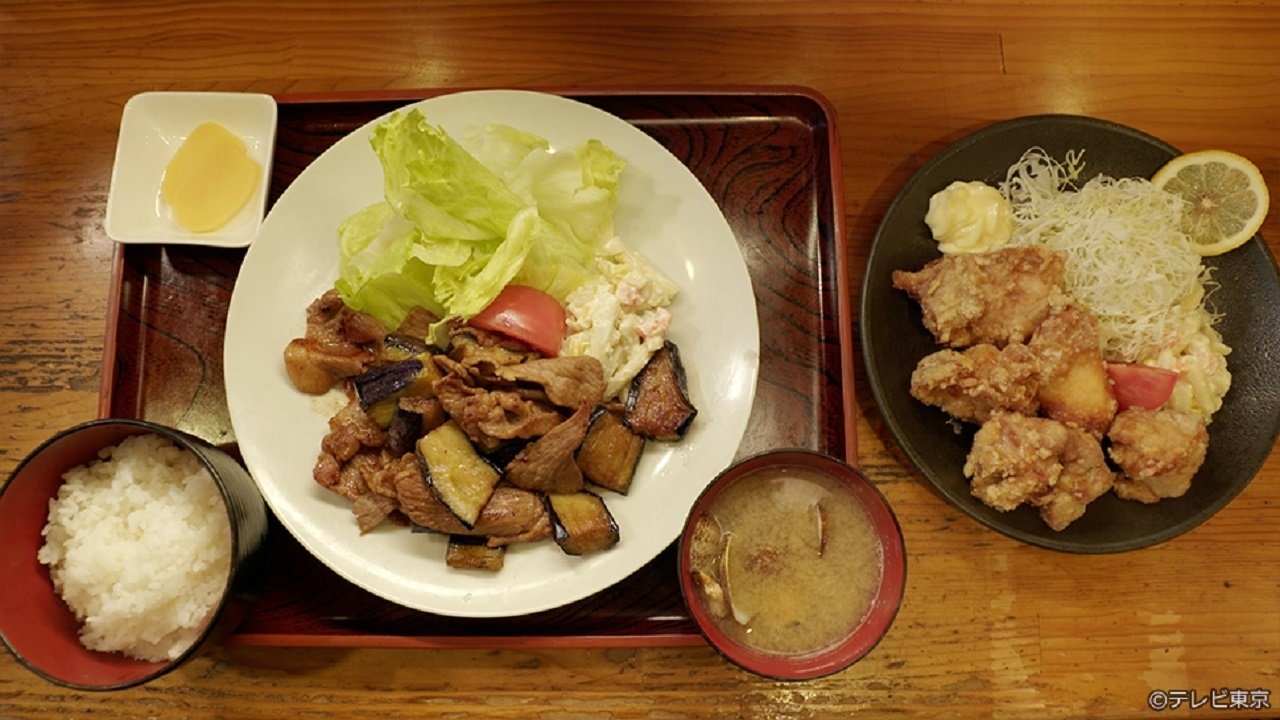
x: 152, y: 128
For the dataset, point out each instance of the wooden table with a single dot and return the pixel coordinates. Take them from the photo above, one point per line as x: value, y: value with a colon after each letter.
x: 989, y: 626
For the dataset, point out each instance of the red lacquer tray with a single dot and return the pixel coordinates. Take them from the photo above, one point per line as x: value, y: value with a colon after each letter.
x: 770, y: 159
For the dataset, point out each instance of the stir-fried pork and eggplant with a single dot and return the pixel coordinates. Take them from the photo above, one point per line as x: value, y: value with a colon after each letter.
x: 484, y: 440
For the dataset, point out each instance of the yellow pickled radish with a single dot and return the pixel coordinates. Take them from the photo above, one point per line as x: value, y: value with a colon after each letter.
x: 209, y: 179
x: 1226, y: 198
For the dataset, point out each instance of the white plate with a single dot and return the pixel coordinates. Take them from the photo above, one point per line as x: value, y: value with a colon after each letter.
x: 152, y: 128
x: 663, y: 212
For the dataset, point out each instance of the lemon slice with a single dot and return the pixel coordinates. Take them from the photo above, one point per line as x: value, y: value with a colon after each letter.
x: 1226, y: 198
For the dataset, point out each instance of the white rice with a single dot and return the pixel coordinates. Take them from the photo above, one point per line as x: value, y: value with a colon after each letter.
x: 139, y: 547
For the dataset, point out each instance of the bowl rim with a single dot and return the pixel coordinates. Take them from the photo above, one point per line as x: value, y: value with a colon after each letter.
x: 187, y: 442
x: 885, y: 607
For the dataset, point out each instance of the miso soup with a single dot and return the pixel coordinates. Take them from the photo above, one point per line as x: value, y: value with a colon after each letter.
x: 787, y: 561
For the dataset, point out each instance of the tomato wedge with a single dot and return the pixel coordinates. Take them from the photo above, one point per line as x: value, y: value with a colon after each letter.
x: 526, y: 314
x: 1143, y: 386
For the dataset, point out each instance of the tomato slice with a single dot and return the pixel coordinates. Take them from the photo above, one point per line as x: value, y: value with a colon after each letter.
x: 526, y: 314
x: 1143, y: 386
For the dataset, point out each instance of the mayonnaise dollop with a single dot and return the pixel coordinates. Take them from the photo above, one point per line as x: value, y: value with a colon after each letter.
x: 969, y: 217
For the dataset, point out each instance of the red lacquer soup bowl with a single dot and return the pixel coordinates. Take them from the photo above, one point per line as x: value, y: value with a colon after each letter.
x: 815, y: 543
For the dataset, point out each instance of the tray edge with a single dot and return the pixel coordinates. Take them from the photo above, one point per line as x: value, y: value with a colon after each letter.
x: 109, y: 365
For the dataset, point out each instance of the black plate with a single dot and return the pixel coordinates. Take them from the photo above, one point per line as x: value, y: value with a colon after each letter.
x: 893, y: 341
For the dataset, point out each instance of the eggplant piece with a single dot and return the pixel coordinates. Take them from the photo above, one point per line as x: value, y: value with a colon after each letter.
x: 469, y: 345
x: 581, y: 523
x: 383, y: 412
x: 610, y: 452
x: 457, y: 474
x: 380, y: 389
x: 424, y: 382
x: 467, y: 552
x: 658, y: 405
x: 398, y: 347
x: 382, y: 382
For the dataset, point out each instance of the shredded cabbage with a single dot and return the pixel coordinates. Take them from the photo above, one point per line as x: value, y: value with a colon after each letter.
x: 1127, y: 260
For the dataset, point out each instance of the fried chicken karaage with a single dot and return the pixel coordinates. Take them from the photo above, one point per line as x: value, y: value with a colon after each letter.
x: 1019, y: 459
x: 998, y: 297
x: 1159, y: 452
x: 1074, y: 386
x: 1024, y: 361
x: 972, y: 384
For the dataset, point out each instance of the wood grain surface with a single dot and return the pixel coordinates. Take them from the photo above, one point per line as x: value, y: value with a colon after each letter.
x: 989, y: 627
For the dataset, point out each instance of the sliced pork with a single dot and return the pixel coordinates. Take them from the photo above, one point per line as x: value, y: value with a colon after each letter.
x: 489, y: 417
x: 569, y: 382
x: 339, y: 343
x: 547, y: 464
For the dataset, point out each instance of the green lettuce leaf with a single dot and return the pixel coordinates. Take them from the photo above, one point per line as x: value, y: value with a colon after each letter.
x: 460, y: 223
